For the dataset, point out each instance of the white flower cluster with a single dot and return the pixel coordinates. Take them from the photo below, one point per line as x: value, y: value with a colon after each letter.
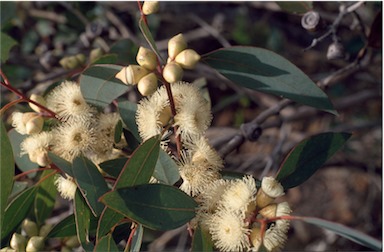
x: 80, y: 130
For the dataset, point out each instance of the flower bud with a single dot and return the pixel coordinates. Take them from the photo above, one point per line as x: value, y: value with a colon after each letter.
x: 18, y: 242
x: 310, y: 20
x: 65, y: 249
x: 35, y: 243
x: 269, y: 211
x: 187, y: 58
x: 148, y: 84
x: 39, y: 99
x: 255, y: 238
x: 165, y: 115
x: 150, y: 7
x: 80, y: 58
x: 42, y: 159
x: 7, y: 249
x: 28, y: 116
x: 70, y: 62
x: 176, y: 45
x: 131, y: 74
x: 72, y: 242
x: 34, y: 125
x: 270, y: 189
x: 95, y: 54
x: 172, y: 72
x: 146, y: 58
x: 44, y: 230
x: 30, y: 227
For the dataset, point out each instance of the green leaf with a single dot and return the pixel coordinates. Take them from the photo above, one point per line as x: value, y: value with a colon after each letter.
x: 61, y: 163
x: 99, y: 85
x: 83, y: 220
x: 166, y: 170
x: 346, y: 232
x: 22, y: 162
x: 106, y: 59
x: 118, y: 131
x: 108, y: 220
x: 299, y: 7
x: 65, y: 228
x: 45, y: 197
x: 90, y: 182
x: 125, y: 50
x: 106, y: 243
x: 137, y: 239
x: 202, y: 241
x: 113, y: 167
x: 156, y: 206
x: 17, y: 211
x: 308, y: 156
x: 7, y: 170
x: 148, y: 37
x: 141, y: 165
x: 6, y: 44
x: 268, y: 72
x: 127, y: 112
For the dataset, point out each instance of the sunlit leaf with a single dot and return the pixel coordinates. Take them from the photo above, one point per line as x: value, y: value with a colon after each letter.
x: 106, y: 243
x: 127, y: 112
x: 6, y: 44
x: 268, y: 72
x: 45, y: 197
x: 166, y: 170
x: 308, y: 156
x: 7, y: 170
x: 99, y: 85
x: 347, y: 232
x: 295, y: 7
x: 156, y: 206
x: 139, y: 168
x: 22, y: 162
x: 17, y: 211
x: 91, y: 183
x: 83, y: 220
x: 202, y: 240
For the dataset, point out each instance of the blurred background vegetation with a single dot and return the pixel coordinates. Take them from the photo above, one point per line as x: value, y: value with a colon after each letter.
x: 347, y: 190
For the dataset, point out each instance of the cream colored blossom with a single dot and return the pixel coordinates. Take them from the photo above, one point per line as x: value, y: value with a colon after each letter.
x: 239, y: 194
x: 203, y: 152
x: 209, y: 199
x: 27, y: 123
x: 193, y: 114
x: 272, y: 187
x: 67, y: 102
x: 66, y: 187
x: 37, y: 147
x: 196, y: 176
x: 73, y: 139
x: 228, y: 231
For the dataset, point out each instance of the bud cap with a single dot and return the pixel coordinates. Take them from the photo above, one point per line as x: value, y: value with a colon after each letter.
x: 172, y: 72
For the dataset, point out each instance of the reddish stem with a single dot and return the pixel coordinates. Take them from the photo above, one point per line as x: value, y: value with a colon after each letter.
x: 10, y: 104
x: 31, y: 171
x: 131, y: 235
x: 142, y: 14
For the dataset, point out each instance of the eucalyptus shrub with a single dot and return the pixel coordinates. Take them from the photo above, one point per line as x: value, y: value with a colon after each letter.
x: 149, y: 165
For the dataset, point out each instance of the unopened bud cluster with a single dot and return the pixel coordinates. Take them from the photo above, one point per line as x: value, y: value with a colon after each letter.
x: 143, y: 74
x: 34, y: 238
x: 179, y: 58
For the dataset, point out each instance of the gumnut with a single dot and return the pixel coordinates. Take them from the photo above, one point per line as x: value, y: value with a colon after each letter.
x: 172, y: 72
x: 35, y: 243
x: 146, y: 58
x: 131, y: 74
x: 18, y: 242
x: 176, y: 45
x: 148, y: 84
x: 30, y: 227
x: 187, y: 59
x: 95, y: 54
